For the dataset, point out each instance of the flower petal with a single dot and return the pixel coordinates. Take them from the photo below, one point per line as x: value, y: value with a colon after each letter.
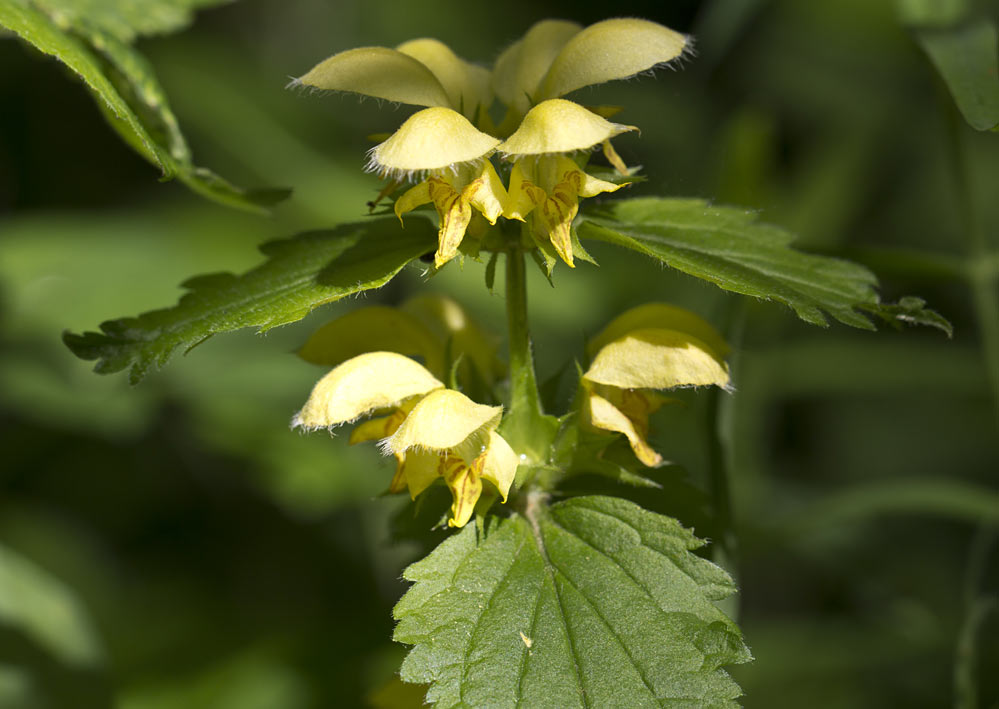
x: 430, y: 140
x: 554, y: 221
x: 374, y: 327
x: 466, y: 488
x: 419, y: 469
x: 582, y: 184
x: 443, y: 420
x: 523, y: 196
x: 377, y: 428
x: 500, y: 465
x: 666, y: 317
x: 415, y: 196
x: 467, y: 85
x: 362, y: 385
x: 608, y: 50
x: 604, y: 415
x: 486, y: 193
x: 559, y: 126
x: 657, y: 359
x: 379, y: 72
x: 521, y: 67
x: 455, y: 213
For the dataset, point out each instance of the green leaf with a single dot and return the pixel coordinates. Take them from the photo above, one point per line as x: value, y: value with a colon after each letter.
x: 912, y: 310
x: 91, y: 38
x: 727, y: 246
x: 590, y: 602
x: 125, y: 19
x: 967, y: 58
x: 300, y: 274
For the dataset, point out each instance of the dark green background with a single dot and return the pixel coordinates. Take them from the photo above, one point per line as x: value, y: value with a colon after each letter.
x: 222, y: 560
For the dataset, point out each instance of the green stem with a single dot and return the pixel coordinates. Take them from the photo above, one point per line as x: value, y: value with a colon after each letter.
x: 523, y: 384
x: 524, y: 422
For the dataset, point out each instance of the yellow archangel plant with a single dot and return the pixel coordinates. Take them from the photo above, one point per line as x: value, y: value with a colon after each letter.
x: 648, y: 348
x: 432, y: 431
x: 447, y: 147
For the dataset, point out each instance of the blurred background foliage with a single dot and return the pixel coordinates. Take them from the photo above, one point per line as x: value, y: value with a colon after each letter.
x: 176, y: 545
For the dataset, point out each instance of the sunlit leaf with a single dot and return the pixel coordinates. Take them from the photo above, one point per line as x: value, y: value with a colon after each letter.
x: 730, y: 248
x: 300, y: 274
x: 590, y: 602
x: 125, y: 19
x: 91, y: 38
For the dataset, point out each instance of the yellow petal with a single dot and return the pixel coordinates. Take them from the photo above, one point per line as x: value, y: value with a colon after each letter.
x: 582, y: 184
x: 666, y: 317
x: 374, y: 327
x: 378, y: 428
x: 554, y: 220
x: 523, y: 196
x: 657, y: 359
x: 467, y: 85
x: 559, y: 126
x: 379, y: 72
x: 443, y: 420
x: 430, y: 140
x: 608, y: 50
x: 520, y: 68
x: 419, y: 469
x: 415, y: 196
x: 614, y: 159
x: 362, y: 385
x: 466, y: 488
x: 398, y: 483
x: 604, y: 415
x: 455, y: 214
x: 486, y: 193
x: 500, y: 464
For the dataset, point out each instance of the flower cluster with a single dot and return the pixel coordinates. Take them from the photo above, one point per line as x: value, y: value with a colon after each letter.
x: 432, y: 431
x: 447, y: 146
x: 648, y: 348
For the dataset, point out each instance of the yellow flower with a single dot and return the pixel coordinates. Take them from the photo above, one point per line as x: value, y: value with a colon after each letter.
x: 450, y: 436
x: 452, y: 154
x: 556, y: 57
x: 652, y: 347
x: 420, y: 72
x: 545, y: 183
x: 432, y: 431
x: 431, y: 327
x: 447, y: 146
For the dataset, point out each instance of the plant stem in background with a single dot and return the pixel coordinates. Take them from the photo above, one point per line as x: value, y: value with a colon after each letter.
x: 980, y: 268
x: 977, y: 606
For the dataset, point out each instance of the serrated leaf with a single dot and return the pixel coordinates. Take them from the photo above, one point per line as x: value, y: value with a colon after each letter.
x: 727, y: 246
x: 913, y: 311
x: 300, y: 274
x: 967, y: 58
x: 591, y: 602
x: 92, y: 39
